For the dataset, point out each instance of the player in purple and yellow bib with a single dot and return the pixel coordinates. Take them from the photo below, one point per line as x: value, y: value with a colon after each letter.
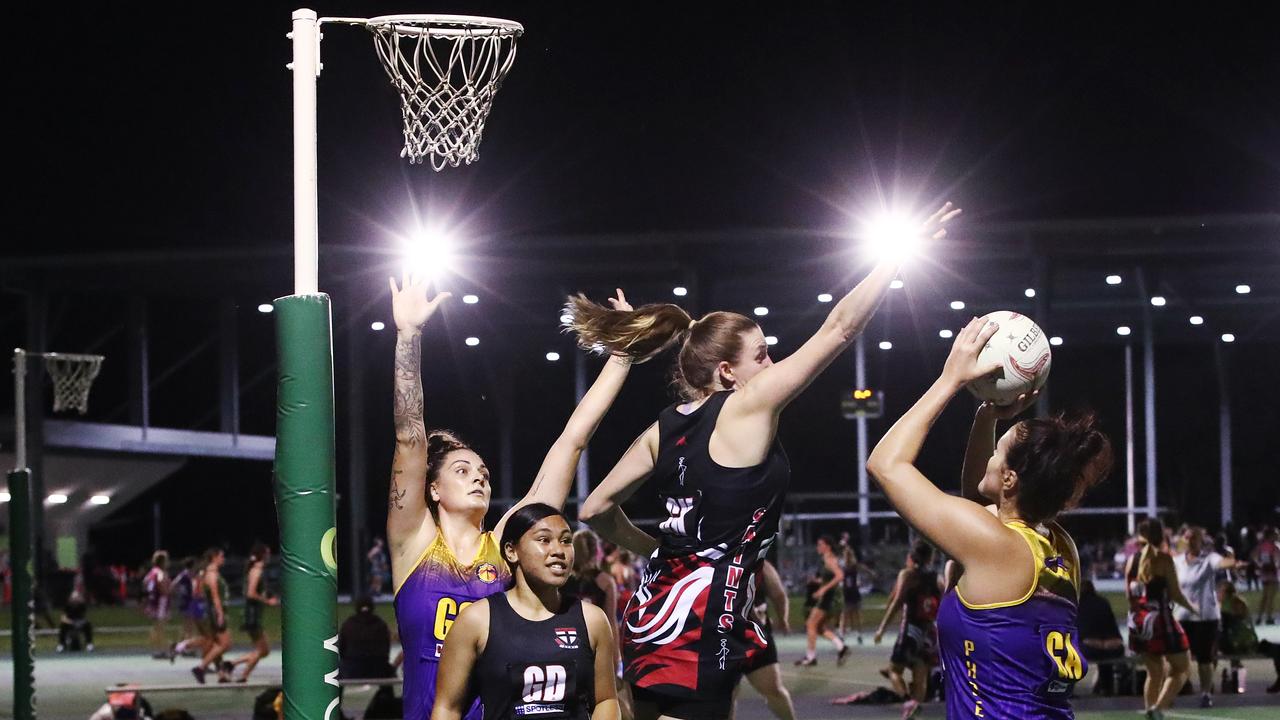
x: 439, y: 496
x: 1007, y: 632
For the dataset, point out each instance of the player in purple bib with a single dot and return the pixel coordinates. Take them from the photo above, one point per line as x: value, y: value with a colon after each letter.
x: 442, y: 559
x: 1007, y: 631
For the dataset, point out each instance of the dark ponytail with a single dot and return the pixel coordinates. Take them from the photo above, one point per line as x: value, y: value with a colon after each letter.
x: 1057, y: 460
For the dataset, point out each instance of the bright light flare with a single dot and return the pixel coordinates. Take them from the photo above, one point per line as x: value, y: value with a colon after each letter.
x: 57, y: 499
x: 892, y: 237
x: 886, y: 345
x: 770, y: 340
x: 100, y: 499
x: 470, y: 299
x: 265, y: 308
x: 1243, y: 289
x: 429, y: 252
x: 1055, y: 341
x: 824, y: 298
x: 553, y: 356
x: 1113, y: 280
x: 679, y: 291
x: 895, y: 285
x: 946, y: 334
x: 377, y: 326
x: 1158, y: 300
x: 1123, y: 330
x: 1228, y: 338
x: 472, y: 341
x: 761, y: 311
x: 1196, y: 320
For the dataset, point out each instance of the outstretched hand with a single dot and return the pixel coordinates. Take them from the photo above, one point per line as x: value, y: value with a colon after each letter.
x: 963, y: 366
x: 620, y: 302
x: 934, y: 226
x: 410, y: 305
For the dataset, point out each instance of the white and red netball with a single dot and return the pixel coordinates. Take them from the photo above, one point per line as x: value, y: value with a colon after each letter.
x: 1022, y: 350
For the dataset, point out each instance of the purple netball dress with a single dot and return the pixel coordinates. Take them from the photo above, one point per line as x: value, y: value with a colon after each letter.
x: 427, y: 603
x: 1016, y: 659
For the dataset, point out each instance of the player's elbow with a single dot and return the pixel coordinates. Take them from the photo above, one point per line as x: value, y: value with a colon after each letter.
x: 594, y: 510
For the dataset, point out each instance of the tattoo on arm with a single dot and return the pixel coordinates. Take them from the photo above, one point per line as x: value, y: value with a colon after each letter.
x: 397, y: 493
x: 408, y: 391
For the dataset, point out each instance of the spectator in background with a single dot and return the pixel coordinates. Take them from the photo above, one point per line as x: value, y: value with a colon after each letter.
x: 379, y: 567
x: 1197, y: 573
x: 75, y: 625
x: 1266, y: 557
x: 1100, y: 638
x: 364, y: 644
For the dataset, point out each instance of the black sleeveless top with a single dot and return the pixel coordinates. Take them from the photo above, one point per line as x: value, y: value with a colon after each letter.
x: 689, y: 630
x: 709, y: 505
x: 543, y: 669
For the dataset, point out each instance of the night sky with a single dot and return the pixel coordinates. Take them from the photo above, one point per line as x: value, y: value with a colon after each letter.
x: 152, y: 132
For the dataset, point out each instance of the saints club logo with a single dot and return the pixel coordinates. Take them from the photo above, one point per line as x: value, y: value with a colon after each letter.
x: 487, y: 573
x: 567, y: 638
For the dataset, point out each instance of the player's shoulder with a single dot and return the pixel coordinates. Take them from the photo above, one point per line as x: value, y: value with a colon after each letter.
x: 595, y: 619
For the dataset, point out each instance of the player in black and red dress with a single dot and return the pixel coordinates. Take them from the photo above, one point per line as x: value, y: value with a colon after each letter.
x: 715, y: 462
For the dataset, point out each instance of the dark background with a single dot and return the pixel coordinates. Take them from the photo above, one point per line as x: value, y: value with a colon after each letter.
x: 172, y: 131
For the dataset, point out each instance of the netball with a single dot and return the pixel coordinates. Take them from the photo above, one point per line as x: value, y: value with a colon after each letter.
x: 1022, y: 349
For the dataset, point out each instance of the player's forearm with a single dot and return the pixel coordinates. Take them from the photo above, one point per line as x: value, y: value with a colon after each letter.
x: 851, y: 314
x: 982, y: 443
x: 613, y: 525
x: 596, y: 402
x: 407, y: 398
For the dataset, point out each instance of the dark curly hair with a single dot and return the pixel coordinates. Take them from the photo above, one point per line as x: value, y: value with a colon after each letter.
x: 1057, y: 460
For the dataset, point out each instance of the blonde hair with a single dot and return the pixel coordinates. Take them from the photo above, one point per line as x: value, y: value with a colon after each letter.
x: 649, y: 330
x: 1151, y: 535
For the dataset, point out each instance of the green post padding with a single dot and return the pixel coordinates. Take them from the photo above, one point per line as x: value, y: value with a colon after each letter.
x: 23, y: 609
x: 304, y: 489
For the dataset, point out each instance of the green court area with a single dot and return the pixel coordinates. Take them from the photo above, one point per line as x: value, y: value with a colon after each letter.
x: 70, y: 685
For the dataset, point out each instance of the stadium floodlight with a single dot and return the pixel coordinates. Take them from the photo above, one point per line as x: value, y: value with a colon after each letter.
x: 266, y: 308
x: 957, y: 304
x: 1113, y: 280
x: 1243, y: 289
x: 760, y: 311
x: 895, y: 284
x: 5, y: 497
x: 1123, y: 330
x: 945, y: 334
x: 100, y: 499
x: 892, y: 237
x: 1029, y: 292
x: 377, y: 326
x: 565, y: 319
x: 472, y: 341
x: 1055, y: 341
x: 1196, y: 320
x: 770, y: 340
x: 1158, y: 300
x: 679, y: 291
x: 470, y: 299
x: 825, y: 298
x: 57, y: 499
x: 886, y: 345
x: 553, y: 356
x: 1228, y: 337
x: 429, y: 252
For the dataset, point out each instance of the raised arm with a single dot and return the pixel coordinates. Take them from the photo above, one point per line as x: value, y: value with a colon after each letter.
x: 602, y: 509
x: 555, y: 477
x: 407, y: 515
x: 775, y: 386
x: 982, y: 442
x: 963, y: 529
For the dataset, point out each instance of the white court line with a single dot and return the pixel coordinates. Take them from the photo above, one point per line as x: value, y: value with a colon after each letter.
x: 1193, y: 717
